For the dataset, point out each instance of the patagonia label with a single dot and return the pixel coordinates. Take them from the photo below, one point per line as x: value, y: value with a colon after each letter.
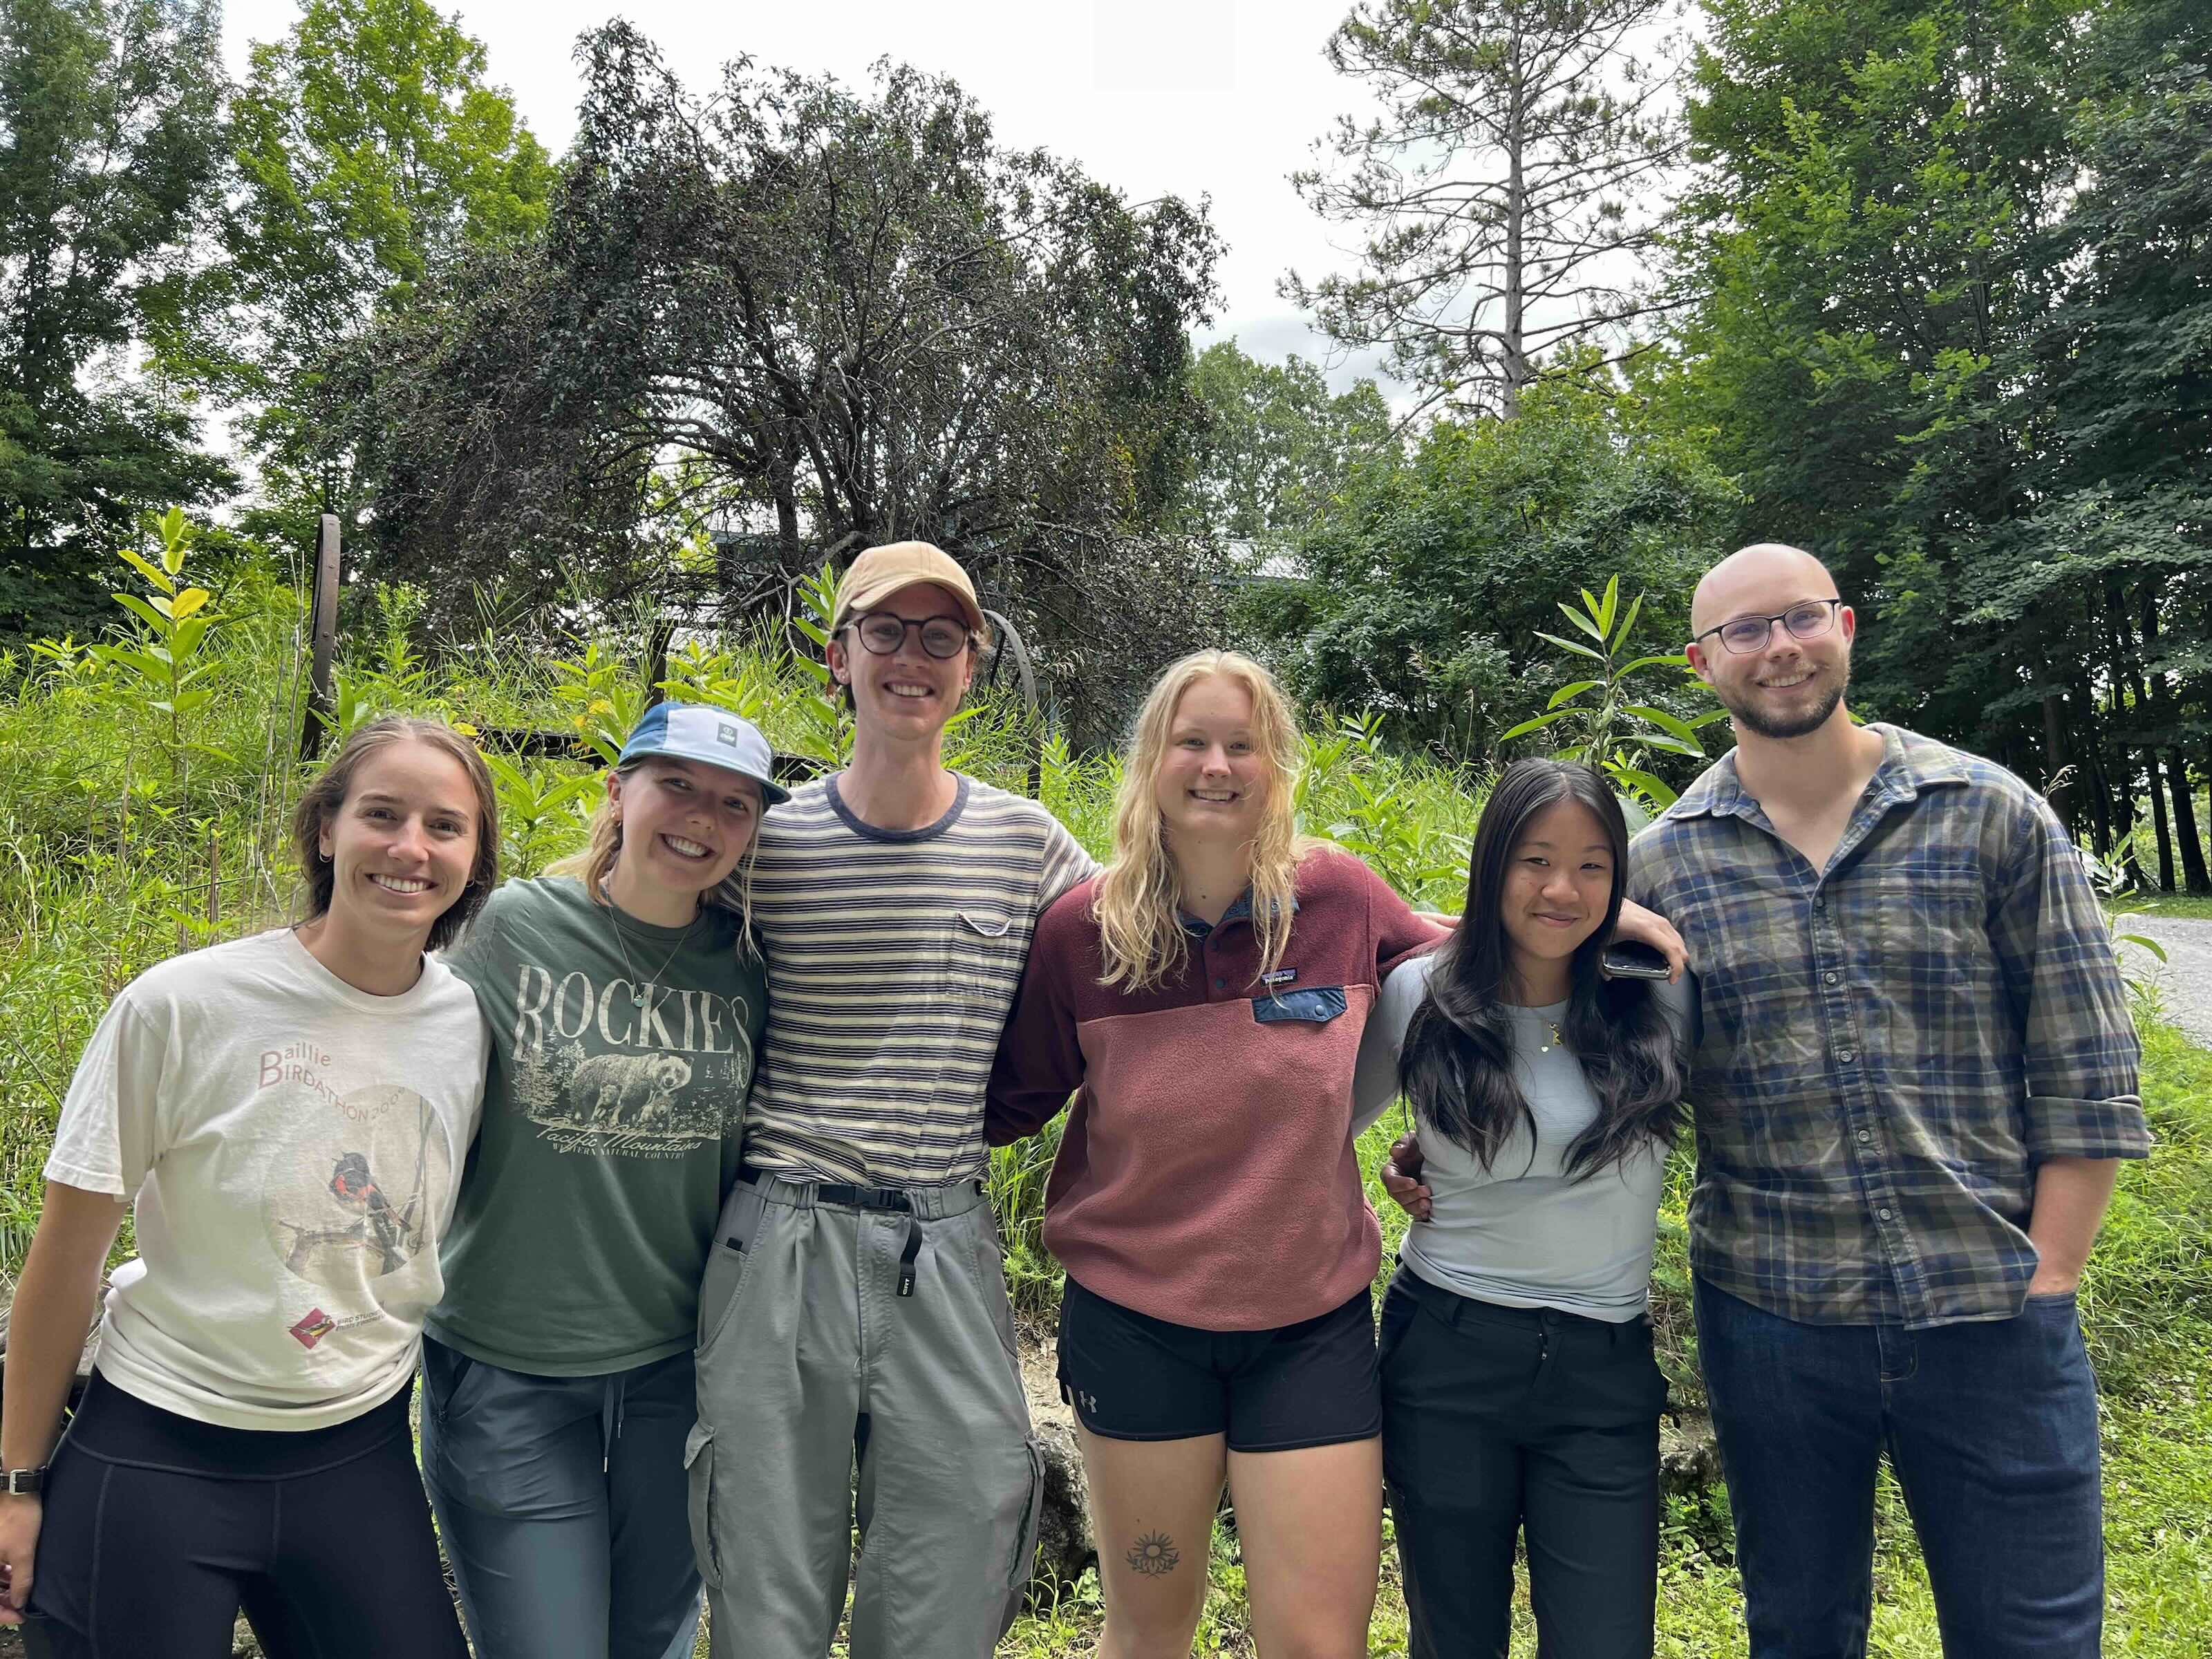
x: 1280, y: 976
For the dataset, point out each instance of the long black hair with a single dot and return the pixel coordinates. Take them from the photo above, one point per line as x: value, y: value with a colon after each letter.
x: 1456, y: 1063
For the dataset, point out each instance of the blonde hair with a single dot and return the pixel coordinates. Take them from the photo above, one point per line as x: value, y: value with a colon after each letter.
x: 1138, y: 900
x: 596, y: 862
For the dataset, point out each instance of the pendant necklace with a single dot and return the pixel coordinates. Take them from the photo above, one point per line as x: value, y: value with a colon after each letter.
x: 638, y: 987
x: 1557, y: 1039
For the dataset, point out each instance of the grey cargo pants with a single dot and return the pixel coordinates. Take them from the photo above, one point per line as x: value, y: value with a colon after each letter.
x: 810, y: 1357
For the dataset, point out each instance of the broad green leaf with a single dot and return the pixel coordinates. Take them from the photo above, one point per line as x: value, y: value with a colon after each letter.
x: 1673, y: 725
x: 1535, y: 724
x: 1575, y: 688
x: 1652, y: 788
x: 1585, y: 623
x: 1569, y: 645
x: 144, y: 612
x: 188, y: 601
x: 145, y: 569
x: 1675, y: 660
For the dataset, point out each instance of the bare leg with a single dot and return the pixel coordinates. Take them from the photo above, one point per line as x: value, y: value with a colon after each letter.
x: 1153, y: 1504
x: 1311, y: 1523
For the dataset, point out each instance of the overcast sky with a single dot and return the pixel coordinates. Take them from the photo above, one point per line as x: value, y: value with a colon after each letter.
x: 1219, y: 98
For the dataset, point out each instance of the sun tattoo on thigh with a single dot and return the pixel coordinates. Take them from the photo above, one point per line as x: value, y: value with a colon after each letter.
x: 1155, y: 1555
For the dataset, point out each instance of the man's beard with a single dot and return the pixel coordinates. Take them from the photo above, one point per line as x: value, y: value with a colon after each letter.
x: 1751, y: 719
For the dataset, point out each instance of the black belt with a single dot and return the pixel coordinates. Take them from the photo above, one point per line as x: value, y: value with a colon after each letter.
x: 833, y: 1192
x: 888, y: 1199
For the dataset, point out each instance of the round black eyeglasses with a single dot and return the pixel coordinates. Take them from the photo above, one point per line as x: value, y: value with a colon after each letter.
x: 1807, y: 621
x: 942, y: 637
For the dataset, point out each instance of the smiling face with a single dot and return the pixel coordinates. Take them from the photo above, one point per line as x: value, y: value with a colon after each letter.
x: 1211, y: 782
x: 1559, y: 885
x: 684, y: 826
x: 905, y: 693
x: 402, y: 842
x: 1791, y: 687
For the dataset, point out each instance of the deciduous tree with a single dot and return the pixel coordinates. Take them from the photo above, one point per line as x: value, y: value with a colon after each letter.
x: 110, y: 147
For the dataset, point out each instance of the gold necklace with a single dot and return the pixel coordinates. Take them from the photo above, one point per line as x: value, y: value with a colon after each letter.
x: 638, y: 987
x: 1558, y: 1039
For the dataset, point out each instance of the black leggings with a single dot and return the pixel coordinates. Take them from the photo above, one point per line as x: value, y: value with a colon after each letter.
x: 1499, y: 1421
x: 322, y: 1537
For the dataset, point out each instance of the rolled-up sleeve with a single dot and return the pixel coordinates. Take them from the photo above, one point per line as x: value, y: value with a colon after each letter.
x: 2079, y: 1051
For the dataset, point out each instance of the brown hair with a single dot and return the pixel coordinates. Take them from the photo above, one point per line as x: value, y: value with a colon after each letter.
x: 327, y: 794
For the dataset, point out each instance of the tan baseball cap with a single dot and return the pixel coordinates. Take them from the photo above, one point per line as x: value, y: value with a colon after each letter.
x: 882, y: 571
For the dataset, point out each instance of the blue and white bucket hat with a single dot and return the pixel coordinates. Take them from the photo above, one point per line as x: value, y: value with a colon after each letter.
x: 696, y: 732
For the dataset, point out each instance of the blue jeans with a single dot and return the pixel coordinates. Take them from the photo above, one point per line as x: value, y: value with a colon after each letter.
x: 1991, y: 1430
x: 563, y: 1505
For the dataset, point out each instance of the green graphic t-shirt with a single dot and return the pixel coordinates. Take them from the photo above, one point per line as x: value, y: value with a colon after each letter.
x: 621, y: 1053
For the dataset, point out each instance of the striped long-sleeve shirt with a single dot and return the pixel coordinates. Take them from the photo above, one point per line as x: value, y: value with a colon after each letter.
x: 893, y: 956
x: 1892, y: 1045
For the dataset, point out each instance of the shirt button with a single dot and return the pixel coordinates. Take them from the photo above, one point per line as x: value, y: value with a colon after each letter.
x: 1819, y: 905
x: 1845, y: 1055
x: 1866, y: 1137
x: 1883, y: 1212
x: 1830, y: 976
x: 1220, y: 984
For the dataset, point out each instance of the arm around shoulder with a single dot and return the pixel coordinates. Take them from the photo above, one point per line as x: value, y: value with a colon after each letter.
x: 1040, y: 1060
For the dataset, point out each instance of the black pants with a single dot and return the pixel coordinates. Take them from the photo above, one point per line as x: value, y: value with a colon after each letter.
x: 1496, y: 1420
x: 159, y: 1528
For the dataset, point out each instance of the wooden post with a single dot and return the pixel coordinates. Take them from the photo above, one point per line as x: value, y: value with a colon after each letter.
x: 323, y: 619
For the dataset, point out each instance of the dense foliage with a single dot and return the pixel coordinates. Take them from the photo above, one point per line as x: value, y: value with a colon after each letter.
x: 111, y: 149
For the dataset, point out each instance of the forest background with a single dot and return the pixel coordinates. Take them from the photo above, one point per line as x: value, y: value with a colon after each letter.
x: 1925, y: 287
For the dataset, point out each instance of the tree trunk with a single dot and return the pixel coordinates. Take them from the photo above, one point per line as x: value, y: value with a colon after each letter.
x: 2194, y: 876
x: 1517, y: 372
x: 2167, y: 714
x: 2054, y: 759
x: 2158, y: 823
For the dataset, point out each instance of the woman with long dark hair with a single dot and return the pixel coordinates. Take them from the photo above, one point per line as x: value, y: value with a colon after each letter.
x: 1520, y: 1393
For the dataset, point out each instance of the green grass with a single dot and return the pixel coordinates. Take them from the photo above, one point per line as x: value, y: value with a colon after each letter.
x: 2193, y: 907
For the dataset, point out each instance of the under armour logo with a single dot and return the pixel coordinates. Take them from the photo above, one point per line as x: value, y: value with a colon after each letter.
x: 1090, y: 1401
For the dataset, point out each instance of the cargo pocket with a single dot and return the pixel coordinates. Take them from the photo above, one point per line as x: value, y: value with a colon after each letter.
x: 699, y: 1470
x: 1024, y: 1562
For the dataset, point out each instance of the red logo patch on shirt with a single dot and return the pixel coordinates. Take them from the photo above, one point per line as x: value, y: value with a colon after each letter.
x: 315, y: 1324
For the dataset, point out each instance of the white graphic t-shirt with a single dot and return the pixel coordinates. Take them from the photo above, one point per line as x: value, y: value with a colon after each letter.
x: 292, y: 1146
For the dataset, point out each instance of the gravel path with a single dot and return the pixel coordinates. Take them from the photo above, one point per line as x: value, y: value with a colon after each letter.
x: 2185, y: 976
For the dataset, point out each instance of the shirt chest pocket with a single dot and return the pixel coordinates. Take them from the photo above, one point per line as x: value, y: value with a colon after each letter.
x: 979, y: 965
x: 1309, y: 1004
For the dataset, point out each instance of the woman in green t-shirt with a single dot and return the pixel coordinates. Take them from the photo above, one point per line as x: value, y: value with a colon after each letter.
x: 625, y: 999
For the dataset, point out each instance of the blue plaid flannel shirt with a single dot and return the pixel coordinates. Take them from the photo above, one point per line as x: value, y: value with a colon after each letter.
x: 1888, y: 1049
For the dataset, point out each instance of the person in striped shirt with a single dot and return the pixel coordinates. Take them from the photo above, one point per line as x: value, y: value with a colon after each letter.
x: 855, y: 1310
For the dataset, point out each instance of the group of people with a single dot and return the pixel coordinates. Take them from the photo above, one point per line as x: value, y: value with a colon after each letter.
x: 675, y: 1156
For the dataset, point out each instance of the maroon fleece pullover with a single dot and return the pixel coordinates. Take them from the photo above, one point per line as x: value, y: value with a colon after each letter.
x: 1206, y: 1175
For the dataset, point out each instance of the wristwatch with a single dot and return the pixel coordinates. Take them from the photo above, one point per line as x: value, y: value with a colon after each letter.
x: 23, y: 1483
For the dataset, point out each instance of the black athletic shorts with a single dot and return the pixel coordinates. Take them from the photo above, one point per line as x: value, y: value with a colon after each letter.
x: 1130, y: 1377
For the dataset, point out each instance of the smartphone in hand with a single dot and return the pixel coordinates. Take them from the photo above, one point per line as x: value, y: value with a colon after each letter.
x: 1626, y: 959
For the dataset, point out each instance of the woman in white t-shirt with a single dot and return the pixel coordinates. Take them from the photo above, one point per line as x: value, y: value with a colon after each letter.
x: 286, y: 1116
